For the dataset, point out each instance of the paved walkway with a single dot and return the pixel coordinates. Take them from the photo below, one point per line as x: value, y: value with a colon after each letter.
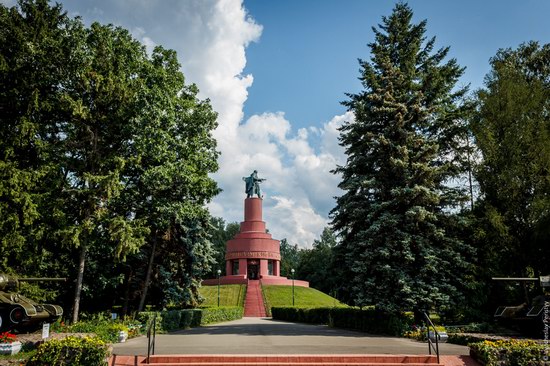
x: 266, y: 336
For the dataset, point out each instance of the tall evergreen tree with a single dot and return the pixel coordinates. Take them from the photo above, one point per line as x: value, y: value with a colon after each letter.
x: 402, y: 148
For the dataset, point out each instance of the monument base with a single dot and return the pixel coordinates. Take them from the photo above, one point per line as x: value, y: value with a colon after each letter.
x: 265, y: 280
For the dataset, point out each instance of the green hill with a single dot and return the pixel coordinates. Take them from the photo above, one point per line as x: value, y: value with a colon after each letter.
x: 303, y: 296
x: 230, y: 295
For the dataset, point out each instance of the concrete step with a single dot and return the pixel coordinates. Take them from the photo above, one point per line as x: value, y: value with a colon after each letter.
x: 295, y: 364
x: 293, y: 360
x: 254, y: 302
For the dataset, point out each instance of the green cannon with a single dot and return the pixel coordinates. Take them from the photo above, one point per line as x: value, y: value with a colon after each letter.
x: 18, y: 312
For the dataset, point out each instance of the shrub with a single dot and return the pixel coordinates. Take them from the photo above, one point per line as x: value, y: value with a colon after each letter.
x: 366, y: 320
x: 302, y: 314
x: 221, y: 314
x: 508, y: 352
x: 420, y: 333
x: 170, y: 320
x: 86, y: 351
x: 145, y: 317
x: 106, y: 330
x: 370, y: 321
x: 190, y: 318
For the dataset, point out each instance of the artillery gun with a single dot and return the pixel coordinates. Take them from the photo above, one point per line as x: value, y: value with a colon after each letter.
x: 19, y: 312
x: 528, y: 317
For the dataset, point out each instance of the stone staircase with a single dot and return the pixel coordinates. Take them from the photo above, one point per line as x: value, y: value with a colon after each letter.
x: 293, y: 360
x: 254, y: 302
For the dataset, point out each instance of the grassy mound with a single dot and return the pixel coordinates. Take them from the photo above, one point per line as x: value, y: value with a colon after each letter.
x: 230, y: 295
x: 303, y: 296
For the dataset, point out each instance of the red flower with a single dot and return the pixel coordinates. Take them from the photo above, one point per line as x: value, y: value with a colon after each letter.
x: 7, y: 337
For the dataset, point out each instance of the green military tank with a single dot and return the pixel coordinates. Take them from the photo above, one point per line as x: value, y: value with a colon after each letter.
x: 18, y: 312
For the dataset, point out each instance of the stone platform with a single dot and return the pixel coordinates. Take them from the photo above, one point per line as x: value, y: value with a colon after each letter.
x: 265, y: 280
x: 261, y: 336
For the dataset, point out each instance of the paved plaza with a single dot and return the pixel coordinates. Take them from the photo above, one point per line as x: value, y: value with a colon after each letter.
x: 266, y: 336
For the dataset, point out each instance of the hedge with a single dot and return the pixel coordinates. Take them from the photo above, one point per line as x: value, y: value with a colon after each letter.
x: 170, y: 320
x: 221, y: 314
x: 509, y: 352
x: 367, y: 320
x: 76, y: 351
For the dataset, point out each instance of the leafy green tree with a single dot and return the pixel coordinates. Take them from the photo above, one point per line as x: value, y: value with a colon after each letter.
x: 168, y: 184
x: 220, y: 233
x: 396, y: 251
x: 34, y: 67
x: 512, y: 130
x: 315, y: 264
x: 94, y: 139
x: 105, y: 153
x: 290, y: 257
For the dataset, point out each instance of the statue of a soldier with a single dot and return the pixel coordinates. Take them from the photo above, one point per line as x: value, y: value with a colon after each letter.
x: 252, y: 185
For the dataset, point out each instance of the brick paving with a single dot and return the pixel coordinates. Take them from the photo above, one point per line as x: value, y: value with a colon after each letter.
x: 254, y: 302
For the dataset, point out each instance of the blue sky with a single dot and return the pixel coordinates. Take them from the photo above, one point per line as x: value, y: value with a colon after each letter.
x: 306, y: 58
x: 277, y: 70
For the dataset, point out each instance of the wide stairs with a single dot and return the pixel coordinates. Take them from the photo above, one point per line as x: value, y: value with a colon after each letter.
x: 254, y: 302
x: 284, y: 360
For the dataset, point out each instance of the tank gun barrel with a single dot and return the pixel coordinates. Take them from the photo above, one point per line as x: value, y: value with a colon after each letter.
x: 9, y: 282
x: 41, y: 279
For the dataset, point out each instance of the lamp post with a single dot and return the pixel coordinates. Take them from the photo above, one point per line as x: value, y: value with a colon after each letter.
x: 219, y: 273
x: 292, y: 272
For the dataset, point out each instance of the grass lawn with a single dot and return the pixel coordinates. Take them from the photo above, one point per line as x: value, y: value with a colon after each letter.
x: 230, y: 295
x: 303, y: 296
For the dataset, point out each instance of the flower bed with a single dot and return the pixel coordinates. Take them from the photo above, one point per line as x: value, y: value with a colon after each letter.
x: 508, y: 352
x: 9, y: 344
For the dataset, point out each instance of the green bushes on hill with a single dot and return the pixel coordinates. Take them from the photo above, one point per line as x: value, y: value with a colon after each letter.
x: 367, y: 320
x: 221, y: 314
x: 170, y: 320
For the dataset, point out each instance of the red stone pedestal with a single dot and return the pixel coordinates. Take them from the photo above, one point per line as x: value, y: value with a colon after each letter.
x: 253, y: 254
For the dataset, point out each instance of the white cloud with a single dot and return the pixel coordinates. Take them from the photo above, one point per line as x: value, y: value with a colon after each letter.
x: 300, y: 188
x: 210, y: 37
x: 8, y: 3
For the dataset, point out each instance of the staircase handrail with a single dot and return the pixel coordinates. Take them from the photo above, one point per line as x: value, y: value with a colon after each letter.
x: 429, y: 325
x: 151, y: 335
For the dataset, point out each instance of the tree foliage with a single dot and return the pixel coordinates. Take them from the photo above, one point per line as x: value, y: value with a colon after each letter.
x: 512, y: 131
x: 402, y: 148
x: 105, y: 155
x: 220, y: 233
x: 290, y: 258
x: 315, y: 264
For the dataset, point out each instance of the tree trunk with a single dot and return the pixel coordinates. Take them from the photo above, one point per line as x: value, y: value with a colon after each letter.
x: 471, y: 186
x: 79, y: 281
x: 128, y: 281
x: 148, y: 275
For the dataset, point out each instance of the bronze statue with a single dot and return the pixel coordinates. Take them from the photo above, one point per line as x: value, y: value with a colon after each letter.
x: 252, y: 185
